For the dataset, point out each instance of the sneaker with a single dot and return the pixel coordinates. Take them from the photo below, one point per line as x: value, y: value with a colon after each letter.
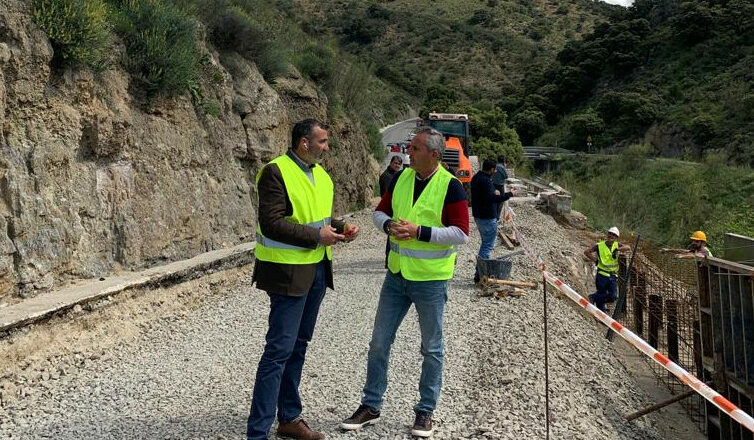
x: 363, y: 416
x: 422, y: 424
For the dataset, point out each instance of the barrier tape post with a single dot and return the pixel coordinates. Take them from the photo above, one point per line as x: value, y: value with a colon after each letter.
x: 684, y: 376
x: 547, y: 366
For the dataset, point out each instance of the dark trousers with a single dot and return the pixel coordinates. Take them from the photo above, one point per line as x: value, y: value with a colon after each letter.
x: 499, y: 206
x: 291, y: 326
x: 605, y: 291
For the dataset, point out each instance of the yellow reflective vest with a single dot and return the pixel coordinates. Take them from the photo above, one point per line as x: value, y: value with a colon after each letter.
x: 312, y: 206
x: 418, y: 260
x: 607, y: 265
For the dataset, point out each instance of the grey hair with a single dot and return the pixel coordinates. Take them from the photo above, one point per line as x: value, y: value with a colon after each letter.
x: 434, y: 140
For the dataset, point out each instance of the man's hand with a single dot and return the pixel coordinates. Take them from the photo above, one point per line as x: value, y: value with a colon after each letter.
x: 328, y: 236
x: 403, y: 230
x: 497, y: 192
x: 350, y: 232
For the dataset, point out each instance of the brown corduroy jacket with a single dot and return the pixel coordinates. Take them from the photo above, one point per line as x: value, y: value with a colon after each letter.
x: 274, y: 206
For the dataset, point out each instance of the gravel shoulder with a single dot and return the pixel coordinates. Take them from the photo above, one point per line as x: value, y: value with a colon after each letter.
x: 179, y: 363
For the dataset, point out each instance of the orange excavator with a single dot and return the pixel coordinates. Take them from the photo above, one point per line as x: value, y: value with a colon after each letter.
x: 455, y: 128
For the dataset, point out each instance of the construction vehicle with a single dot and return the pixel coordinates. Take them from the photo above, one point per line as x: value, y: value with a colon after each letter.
x: 455, y: 128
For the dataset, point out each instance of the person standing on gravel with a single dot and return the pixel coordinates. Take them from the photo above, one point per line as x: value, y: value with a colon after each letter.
x: 484, y: 201
x: 425, y: 213
x: 387, y: 176
x: 396, y: 162
x: 293, y: 265
x: 498, y: 179
x: 606, y: 252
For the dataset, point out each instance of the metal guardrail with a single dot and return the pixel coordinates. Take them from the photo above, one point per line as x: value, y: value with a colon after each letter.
x: 726, y: 310
x: 535, y: 152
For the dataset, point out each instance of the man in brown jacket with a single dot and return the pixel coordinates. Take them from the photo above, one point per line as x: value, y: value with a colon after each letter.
x: 293, y: 265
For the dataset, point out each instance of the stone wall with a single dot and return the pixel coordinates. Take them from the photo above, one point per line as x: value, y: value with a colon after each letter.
x: 91, y: 182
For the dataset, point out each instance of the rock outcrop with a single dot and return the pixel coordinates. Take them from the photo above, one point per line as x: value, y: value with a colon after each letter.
x: 91, y: 182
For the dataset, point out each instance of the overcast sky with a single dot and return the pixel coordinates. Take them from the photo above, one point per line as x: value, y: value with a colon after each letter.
x: 620, y: 2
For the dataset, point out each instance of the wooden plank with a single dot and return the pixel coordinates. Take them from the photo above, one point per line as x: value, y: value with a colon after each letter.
x: 504, y: 239
x: 510, y: 282
x: 737, y: 267
x: 512, y: 239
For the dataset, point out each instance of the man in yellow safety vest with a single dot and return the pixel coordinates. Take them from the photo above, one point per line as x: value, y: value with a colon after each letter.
x: 293, y: 265
x: 425, y: 212
x: 606, y: 281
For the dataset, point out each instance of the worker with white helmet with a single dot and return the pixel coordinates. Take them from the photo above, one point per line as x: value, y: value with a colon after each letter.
x: 605, y: 255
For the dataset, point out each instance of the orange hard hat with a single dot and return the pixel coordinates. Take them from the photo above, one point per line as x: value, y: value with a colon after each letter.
x: 699, y: 235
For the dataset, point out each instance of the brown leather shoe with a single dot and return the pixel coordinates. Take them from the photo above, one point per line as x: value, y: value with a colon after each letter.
x: 299, y: 430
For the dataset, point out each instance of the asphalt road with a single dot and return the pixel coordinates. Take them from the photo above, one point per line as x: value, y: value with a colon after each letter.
x: 397, y: 133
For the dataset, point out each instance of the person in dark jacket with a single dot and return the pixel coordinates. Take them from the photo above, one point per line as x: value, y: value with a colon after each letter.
x: 498, y: 179
x: 294, y: 235
x: 395, y: 165
x: 484, y: 200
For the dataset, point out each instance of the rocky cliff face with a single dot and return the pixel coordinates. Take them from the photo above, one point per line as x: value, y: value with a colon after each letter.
x: 91, y: 183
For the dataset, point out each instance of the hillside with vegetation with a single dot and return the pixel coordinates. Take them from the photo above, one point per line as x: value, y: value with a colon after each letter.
x: 662, y: 199
x: 483, y: 50
x: 676, y: 75
x: 667, y: 78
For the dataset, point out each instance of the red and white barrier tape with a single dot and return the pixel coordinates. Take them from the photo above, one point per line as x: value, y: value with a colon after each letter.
x: 684, y: 376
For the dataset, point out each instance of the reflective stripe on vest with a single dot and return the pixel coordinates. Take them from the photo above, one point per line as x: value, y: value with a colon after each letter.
x: 607, y: 265
x: 418, y: 260
x: 312, y: 206
x: 268, y: 242
x: 416, y: 253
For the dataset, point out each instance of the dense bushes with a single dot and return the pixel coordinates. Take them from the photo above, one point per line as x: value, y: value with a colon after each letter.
x: 231, y: 27
x: 663, y: 200
x: 160, y: 44
x: 160, y: 37
x: 677, y: 63
x: 317, y: 61
x: 78, y: 31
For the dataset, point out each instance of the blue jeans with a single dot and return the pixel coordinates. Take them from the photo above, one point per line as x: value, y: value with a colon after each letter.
x: 605, y: 291
x: 396, y: 297
x: 291, y: 325
x: 488, y: 230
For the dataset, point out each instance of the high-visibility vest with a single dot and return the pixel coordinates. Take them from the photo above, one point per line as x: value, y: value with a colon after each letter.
x: 312, y: 206
x: 607, y: 265
x: 418, y: 260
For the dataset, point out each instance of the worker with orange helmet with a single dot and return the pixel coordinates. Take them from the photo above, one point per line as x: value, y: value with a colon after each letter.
x: 697, y: 249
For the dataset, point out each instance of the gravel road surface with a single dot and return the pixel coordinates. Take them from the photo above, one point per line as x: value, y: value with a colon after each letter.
x: 189, y: 376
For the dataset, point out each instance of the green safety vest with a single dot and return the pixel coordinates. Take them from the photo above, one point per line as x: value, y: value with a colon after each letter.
x: 418, y: 260
x: 607, y: 265
x: 312, y: 206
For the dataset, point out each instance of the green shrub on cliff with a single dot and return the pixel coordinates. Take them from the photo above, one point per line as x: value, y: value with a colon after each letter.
x: 232, y: 27
x: 78, y: 30
x: 160, y: 43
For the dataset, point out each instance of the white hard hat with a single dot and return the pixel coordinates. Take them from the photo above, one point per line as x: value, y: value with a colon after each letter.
x: 614, y: 231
